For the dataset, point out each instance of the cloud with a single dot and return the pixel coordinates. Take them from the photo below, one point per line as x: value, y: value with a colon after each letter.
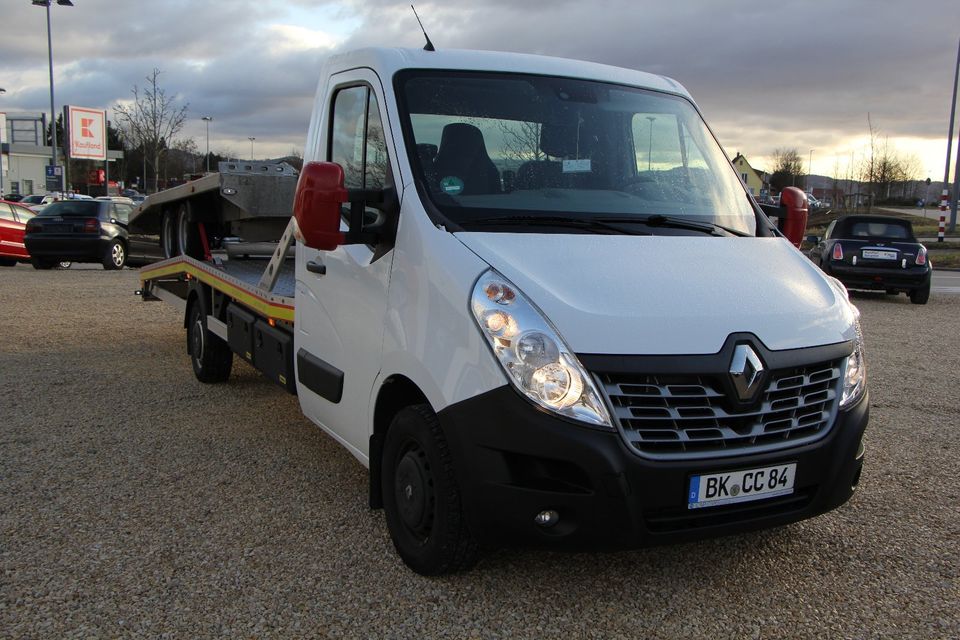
x: 766, y: 75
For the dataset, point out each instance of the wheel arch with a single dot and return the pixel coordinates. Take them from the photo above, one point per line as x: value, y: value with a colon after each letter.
x: 395, y: 393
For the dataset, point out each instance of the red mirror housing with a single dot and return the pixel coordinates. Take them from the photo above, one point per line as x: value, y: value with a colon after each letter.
x: 320, y: 192
x: 795, y: 202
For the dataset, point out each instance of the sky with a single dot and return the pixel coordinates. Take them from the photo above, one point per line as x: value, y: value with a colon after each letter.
x: 766, y: 75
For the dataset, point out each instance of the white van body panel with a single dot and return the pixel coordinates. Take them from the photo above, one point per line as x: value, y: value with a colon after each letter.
x: 652, y: 295
x: 431, y: 336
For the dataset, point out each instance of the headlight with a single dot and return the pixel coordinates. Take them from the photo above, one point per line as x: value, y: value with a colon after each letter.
x: 531, y: 352
x: 854, y: 374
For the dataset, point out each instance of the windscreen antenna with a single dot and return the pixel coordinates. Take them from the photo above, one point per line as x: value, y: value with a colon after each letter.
x: 429, y: 45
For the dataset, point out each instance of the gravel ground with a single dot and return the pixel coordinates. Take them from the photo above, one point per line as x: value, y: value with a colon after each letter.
x: 131, y: 504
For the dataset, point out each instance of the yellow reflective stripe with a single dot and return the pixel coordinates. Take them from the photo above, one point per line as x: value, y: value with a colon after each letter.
x: 256, y: 302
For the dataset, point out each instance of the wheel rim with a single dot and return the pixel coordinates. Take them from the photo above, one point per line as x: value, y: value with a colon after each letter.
x: 117, y: 254
x: 64, y: 264
x: 414, y: 491
x: 196, y: 333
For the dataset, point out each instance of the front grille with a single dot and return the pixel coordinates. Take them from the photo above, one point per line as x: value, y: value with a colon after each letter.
x: 687, y: 416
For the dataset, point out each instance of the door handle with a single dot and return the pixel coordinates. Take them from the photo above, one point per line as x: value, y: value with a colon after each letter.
x: 317, y: 267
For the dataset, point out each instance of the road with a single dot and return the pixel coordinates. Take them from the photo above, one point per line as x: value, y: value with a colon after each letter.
x: 138, y: 502
x: 946, y: 282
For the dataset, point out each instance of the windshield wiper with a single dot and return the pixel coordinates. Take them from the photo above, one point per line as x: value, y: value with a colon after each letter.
x: 557, y: 221
x: 658, y: 220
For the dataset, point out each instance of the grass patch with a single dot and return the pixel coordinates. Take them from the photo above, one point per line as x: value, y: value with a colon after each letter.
x: 944, y: 259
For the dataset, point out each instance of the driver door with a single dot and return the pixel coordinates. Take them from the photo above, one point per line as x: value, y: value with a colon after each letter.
x: 340, y: 313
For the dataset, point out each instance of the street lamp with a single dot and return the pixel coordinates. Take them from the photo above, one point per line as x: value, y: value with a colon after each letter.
x: 650, y: 141
x: 207, y: 120
x: 251, y: 139
x: 810, y: 171
x: 53, y: 114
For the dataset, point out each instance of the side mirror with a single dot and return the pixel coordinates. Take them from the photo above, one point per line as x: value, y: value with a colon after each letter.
x: 316, y: 206
x: 794, y: 201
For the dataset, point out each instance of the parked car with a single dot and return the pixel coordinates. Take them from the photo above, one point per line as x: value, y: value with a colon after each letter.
x: 875, y: 252
x: 31, y: 200
x: 123, y: 199
x: 86, y: 231
x: 12, y: 197
x: 13, y: 220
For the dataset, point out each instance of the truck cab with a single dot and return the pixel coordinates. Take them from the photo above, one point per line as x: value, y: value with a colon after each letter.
x: 570, y: 324
x: 533, y: 297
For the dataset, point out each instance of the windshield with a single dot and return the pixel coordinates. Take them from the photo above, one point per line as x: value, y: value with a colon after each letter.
x: 488, y: 146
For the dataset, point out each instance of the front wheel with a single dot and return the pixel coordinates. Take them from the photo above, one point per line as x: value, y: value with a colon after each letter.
x: 421, y: 498
x: 41, y: 263
x: 7, y: 263
x: 211, y: 357
x: 115, y: 256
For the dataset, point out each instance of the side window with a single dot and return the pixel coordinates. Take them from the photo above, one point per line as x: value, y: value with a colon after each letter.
x: 375, y: 174
x: 23, y: 214
x: 357, y: 141
x: 6, y: 213
x: 347, y: 136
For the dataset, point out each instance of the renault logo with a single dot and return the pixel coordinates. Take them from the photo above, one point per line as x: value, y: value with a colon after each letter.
x: 745, y: 371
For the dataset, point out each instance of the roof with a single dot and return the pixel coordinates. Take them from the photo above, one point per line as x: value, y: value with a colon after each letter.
x: 389, y: 61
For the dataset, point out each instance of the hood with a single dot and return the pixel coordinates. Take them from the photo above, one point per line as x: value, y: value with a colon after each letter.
x: 649, y: 295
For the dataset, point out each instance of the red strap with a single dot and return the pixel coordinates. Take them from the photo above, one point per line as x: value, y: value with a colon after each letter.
x: 203, y: 240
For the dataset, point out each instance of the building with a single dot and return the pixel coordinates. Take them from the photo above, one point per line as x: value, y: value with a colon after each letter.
x: 758, y: 182
x: 25, y: 154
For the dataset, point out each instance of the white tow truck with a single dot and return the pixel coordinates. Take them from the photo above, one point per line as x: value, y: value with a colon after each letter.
x: 533, y: 297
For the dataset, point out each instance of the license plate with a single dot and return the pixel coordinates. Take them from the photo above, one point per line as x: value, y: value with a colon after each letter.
x: 878, y: 254
x: 715, y: 489
x: 58, y: 228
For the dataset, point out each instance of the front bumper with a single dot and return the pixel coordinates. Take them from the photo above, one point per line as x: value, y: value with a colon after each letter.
x: 880, y: 278
x: 514, y: 461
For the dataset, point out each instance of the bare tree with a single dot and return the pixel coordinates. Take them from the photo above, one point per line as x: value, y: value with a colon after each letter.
x: 152, y: 118
x: 521, y: 141
x: 787, y: 169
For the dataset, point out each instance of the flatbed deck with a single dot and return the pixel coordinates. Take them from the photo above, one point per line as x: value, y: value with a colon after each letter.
x: 237, y: 279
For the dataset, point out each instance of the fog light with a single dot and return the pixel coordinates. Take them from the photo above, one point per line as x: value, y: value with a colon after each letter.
x: 547, y: 518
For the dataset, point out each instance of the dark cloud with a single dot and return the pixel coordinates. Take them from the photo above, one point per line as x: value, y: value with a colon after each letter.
x: 766, y: 75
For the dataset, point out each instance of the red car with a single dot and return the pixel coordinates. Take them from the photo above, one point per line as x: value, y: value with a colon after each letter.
x: 13, y: 219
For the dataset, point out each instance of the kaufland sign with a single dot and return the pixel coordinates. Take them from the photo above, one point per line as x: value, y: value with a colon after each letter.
x: 88, y: 133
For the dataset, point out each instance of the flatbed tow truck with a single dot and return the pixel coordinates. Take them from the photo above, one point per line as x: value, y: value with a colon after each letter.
x: 246, y: 306
x: 605, y: 343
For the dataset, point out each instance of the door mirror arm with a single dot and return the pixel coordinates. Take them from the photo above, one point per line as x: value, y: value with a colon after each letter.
x: 383, y: 200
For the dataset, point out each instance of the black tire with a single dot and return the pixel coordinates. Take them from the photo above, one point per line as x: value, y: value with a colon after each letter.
x: 168, y: 235
x: 42, y: 263
x: 4, y: 262
x: 115, y: 255
x: 211, y: 357
x: 188, y: 234
x: 421, y: 498
x: 920, y: 296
